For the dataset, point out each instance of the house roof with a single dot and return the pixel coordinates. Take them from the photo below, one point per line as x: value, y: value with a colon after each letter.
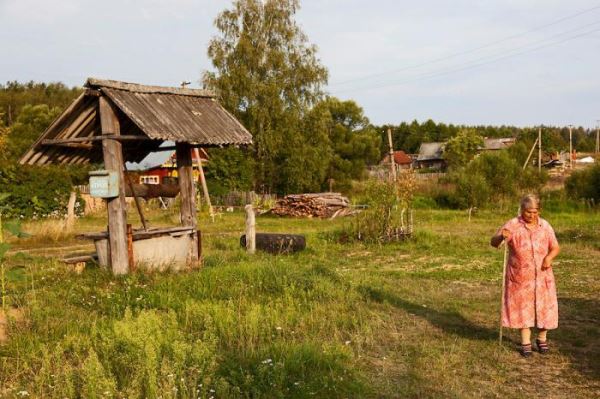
x: 400, y: 158
x: 431, y: 151
x: 158, y: 113
x: 498, y: 143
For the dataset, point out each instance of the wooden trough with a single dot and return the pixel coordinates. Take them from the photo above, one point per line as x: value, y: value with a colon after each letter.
x: 153, y: 249
x: 117, y: 122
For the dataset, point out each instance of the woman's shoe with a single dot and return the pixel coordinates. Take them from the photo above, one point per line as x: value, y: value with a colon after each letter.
x: 525, y: 350
x: 542, y: 346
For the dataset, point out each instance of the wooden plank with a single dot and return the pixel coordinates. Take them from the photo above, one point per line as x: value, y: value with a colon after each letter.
x: 141, y: 234
x: 117, y: 214
x: 67, y: 113
x: 95, y: 138
x: 138, y: 88
x: 187, y: 192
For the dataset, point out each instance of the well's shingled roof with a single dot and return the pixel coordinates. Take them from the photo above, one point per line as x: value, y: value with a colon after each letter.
x: 159, y: 113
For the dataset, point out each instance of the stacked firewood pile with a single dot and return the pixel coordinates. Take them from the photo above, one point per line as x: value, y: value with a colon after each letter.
x: 322, y: 205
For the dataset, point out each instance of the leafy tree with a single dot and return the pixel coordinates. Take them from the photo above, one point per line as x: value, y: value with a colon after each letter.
x: 409, y: 136
x: 305, y: 160
x: 14, y: 96
x: 30, y: 124
x: 499, y: 170
x: 462, y: 148
x: 230, y: 170
x: 355, y: 143
x: 472, y: 191
x: 269, y: 77
x: 3, y: 139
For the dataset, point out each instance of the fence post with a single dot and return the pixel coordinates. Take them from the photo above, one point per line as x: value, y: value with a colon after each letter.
x: 250, y: 229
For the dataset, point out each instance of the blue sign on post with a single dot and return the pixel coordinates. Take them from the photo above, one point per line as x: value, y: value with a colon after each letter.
x: 104, y: 184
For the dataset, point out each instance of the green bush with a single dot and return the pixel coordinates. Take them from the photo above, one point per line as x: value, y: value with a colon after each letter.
x: 35, y: 191
x: 585, y: 184
x: 383, y: 218
x: 492, y: 176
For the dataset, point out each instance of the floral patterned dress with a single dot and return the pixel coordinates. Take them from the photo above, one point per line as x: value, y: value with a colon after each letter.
x: 530, y: 294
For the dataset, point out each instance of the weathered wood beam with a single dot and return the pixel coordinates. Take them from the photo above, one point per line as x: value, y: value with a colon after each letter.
x: 114, y: 137
x: 83, y: 146
x: 152, y: 190
x: 117, y: 214
x: 187, y: 192
x: 173, y: 147
x: 93, y: 93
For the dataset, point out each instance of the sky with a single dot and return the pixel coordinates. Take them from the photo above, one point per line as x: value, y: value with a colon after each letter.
x: 510, y: 62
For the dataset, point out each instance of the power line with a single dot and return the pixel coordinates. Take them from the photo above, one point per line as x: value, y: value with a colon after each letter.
x: 454, y: 55
x: 469, y: 65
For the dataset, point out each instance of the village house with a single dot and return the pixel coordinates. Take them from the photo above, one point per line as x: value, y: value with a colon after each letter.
x: 431, y: 155
x: 496, y: 144
x: 166, y: 172
x: 401, y: 160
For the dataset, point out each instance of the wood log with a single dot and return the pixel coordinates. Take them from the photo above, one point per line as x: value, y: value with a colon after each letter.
x: 323, y: 205
x: 277, y: 243
x: 153, y: 190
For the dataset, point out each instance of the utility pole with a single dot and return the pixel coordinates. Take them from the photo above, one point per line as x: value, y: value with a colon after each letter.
x: 571, y: 147
x: 392, y: 163
x: 597, y: 136
x: 540, y: 149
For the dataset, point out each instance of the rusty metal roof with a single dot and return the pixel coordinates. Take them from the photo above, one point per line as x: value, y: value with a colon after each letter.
x: 159, y: 113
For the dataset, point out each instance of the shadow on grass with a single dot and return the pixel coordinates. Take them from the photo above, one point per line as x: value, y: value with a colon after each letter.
x: 577, y: 334
x: 450, y: 322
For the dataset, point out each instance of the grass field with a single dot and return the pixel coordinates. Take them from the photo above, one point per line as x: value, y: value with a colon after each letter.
x: 412, y: 319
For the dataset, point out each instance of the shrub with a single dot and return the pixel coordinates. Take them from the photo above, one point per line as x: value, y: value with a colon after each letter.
x: 584, y: 184
x: 385, y: 217
x: 35, y: 191
x: 489, y: 177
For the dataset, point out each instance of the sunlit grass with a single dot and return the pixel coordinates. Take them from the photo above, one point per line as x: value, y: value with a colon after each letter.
x: 412, y: 319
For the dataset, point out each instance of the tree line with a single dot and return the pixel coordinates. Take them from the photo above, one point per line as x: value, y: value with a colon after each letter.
x: 267, y: 74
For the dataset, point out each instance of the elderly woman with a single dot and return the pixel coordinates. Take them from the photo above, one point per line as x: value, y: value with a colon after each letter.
x: 530, y: 294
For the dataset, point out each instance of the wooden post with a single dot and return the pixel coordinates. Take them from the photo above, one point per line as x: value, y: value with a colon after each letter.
x: 135, y: 198
x: 530, y: 152
x: 203, y: 182
x: 183, y: 153
x: 130, y: 247
x: 117, y: 213
x: 71, y: 210
x: 199, y: 237
x: 540, y: 149
x: 571, y: 147
x: 597, y: 137
x: 250, y: 229
x: 392, y: 163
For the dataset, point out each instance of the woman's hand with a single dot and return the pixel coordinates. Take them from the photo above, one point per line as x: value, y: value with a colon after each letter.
x: 547, y: 263
x: 496, y: 240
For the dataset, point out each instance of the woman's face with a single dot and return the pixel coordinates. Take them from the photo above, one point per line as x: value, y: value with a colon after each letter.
x: 530, y: 215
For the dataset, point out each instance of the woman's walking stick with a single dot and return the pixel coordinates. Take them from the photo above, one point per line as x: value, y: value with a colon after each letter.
x: 503, y: 287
